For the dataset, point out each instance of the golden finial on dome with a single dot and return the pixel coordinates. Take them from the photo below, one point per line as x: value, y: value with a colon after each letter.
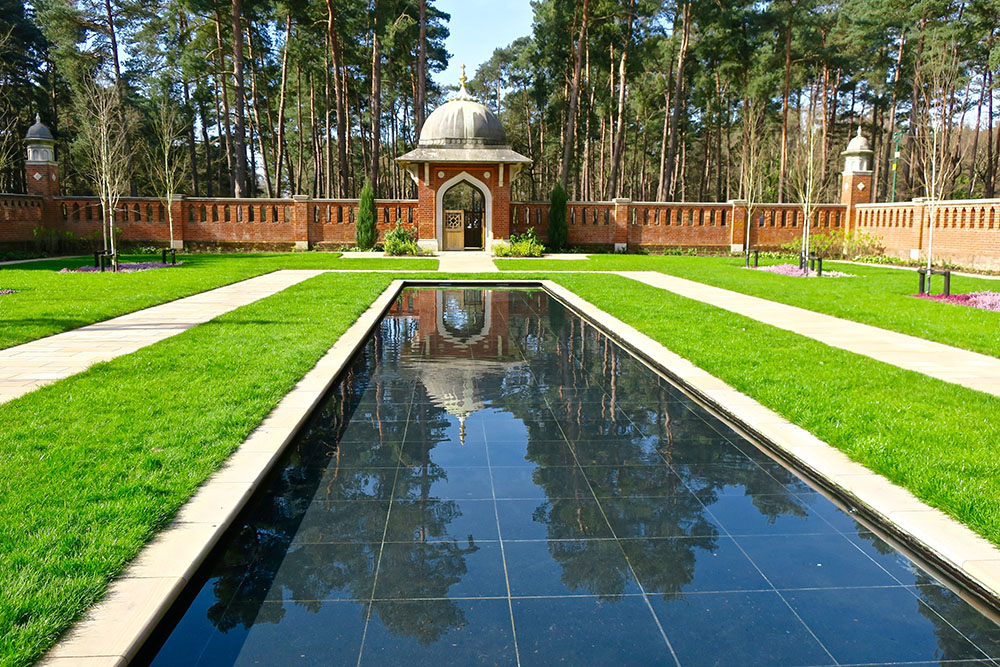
x: 462, y: 78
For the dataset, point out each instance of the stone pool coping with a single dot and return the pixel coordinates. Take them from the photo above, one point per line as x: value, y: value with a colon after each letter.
x: 113, y: 631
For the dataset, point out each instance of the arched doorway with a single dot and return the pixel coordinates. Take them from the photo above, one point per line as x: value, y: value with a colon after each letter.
x: 464, y: 210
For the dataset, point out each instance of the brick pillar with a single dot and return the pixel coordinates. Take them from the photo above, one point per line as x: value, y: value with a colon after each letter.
x: 738, y: 225
x: 426, y: 214
x: 177, y: 210
x: 855, y: 188
x: 622, y: 206
x: 300, y: 216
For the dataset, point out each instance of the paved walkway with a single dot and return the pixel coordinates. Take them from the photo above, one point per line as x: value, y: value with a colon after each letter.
x: 459, y: 261
x: 969, y: 369
x: 25, y: 367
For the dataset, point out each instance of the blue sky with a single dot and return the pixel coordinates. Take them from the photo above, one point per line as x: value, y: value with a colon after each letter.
x: 477, y: 27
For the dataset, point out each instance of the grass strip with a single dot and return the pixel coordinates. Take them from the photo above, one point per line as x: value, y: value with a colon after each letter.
x: 938, y: 440
x: 92, y: 466
x: 48, y: 302
x: 877, y: 296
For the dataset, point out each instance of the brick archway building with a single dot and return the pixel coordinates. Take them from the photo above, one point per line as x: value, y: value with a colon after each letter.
x: 462, y: 141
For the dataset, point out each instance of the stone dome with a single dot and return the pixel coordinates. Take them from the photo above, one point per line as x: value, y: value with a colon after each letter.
x: 462, y: 122
x: 858, y: 144
x: 39, y: 132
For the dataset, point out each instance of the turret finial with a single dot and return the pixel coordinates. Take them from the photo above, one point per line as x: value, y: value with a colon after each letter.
x: 462, y: 78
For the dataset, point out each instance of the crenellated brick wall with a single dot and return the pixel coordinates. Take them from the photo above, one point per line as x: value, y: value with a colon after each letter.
x: 965, y: 232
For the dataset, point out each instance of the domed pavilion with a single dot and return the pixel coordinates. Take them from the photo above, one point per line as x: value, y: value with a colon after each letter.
x: 463, y: 167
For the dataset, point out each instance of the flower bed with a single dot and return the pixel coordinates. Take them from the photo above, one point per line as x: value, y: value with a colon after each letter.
x: 124, y: 267
x: 794, y: 271
x: 983, y: 300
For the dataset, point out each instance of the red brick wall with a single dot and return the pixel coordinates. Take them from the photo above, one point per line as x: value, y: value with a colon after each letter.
x: 965, y: 232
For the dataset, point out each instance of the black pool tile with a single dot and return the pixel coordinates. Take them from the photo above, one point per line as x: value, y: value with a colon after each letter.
x: 559, y: 519
x: 670, y: 566
x: 568, y: 567
x: 211, y: 632
x: 539, y: 482
x: 766, y: 514
x: 588, y: 631
x: 738, y: 477
x: 440, y: 570
x: 439, y: 632
x: 423, y: 520
x: 879, y: 625
x: 617, y: 450
x: 813, y: 561
x: 672, y: 516
x: 343, y: 521
x: 750, y: 628
x: 281, y: 633
x: 634, y: 481
x: 895, y: 563
x: 965, y: 618
x: 342, y: 571
x: 354, y: 484
x: 447, y: 453
x: 451, y: 483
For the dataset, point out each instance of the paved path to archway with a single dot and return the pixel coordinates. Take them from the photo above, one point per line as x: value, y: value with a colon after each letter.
x: 459, y: 261
x: 26, y: 367
x: 951, y: 364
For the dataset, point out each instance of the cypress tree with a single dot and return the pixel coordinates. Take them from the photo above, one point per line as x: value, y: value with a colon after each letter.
x: 366, y: 234
x: 558, y: 232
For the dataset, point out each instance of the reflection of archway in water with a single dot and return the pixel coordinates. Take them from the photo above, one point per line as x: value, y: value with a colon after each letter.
x: 464, y: 217
x: 464, y: 317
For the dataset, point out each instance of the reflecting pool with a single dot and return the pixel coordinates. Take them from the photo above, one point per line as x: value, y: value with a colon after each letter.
x: 496, y: 482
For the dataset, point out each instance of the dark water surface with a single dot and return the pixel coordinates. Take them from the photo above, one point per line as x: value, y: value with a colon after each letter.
x: 495, y: 482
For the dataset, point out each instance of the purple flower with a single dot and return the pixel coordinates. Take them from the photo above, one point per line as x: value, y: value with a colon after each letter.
x: 124, y: 267
x: 984, y: 300
x: 795, y: 272
x: 8, y: 291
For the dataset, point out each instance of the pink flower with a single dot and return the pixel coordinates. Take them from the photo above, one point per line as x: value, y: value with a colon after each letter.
x: 984, y: 300
x: 124, y: 267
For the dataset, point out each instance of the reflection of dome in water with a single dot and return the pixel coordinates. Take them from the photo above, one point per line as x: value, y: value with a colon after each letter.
x: 463, y: 314
x: 458, y: 385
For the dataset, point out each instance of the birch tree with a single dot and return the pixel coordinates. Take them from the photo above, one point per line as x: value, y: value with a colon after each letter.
x: 166, y: 155
x: 806, y: 168
x: 106, y: 126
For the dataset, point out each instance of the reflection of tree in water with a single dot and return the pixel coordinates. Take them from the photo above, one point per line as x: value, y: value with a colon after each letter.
x: 628, y: 423
x: 349, y: 451
x: 941, y: 603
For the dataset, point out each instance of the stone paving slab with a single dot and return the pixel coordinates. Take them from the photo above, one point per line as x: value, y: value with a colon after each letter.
x: 460, y: 261
x: 26, y: 367
x: 951, y: 364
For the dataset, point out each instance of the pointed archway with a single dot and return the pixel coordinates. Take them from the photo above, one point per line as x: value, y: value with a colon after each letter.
x: 486, y: 222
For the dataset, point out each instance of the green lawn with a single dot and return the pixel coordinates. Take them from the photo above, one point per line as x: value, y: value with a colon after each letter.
x: 93, y: 466
x: 49, y: 302
x: 877, y: 296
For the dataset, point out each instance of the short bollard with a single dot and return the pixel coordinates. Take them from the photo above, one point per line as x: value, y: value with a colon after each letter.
x: 925, y: 280
x: 173, y: 255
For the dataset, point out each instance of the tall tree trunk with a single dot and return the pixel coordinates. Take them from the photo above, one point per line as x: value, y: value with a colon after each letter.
x: 889, y: 143
x: 783, y: 167
x: 574, y: 98
x: 376, y: 110
x: 975, y: 139
x: 280, y: 148
x: 340, y: 94
x: 209, y: 178
x: 186, y: 88
x: 301, y: 130
x: 668, y: 185
x: 254, y: 93
x: 221, y: 83
x: 327, y: 125
x: 239, y: 136
x: 661, y: 181
x: 113, y: 37
x: 420, y: 99
x: 619, y: 138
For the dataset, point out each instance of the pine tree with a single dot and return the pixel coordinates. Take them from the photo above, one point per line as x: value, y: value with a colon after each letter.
x: 366, y: 233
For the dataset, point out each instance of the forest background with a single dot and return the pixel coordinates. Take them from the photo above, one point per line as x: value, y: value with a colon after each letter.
x: 639, y: 98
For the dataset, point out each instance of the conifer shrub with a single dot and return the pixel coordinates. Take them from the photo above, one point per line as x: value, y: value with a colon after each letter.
x: 558, y: 231
x: 366, y: 235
